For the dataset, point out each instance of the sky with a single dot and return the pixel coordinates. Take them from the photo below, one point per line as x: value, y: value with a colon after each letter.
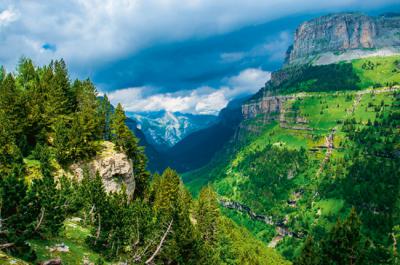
x: 190, y: 56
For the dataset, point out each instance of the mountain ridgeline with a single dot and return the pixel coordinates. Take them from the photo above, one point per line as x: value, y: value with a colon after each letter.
x: 312, y: 170
x: 304, y: 172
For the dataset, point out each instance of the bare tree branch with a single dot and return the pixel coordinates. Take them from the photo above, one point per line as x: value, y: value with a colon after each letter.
x: 98, y: 228
x: 40, y: 219
x: 158, y: 249
x: 6, y: 245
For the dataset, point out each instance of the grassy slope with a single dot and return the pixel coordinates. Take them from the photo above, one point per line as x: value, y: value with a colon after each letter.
x: 73, y: 236
x: 324, y: 111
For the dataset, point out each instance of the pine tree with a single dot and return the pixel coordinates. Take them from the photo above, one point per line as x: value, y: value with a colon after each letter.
x: 126, y: 141
x: 105, y: 113
x: 345, y: 244
x: 46, y: 199
x: 27, y: 77
x: 9, y: 152
x: 13, y: 109
x: 56, y: 87
x: 172, y: 202
x: 207, y: 215
x: 310, y: 253
x: 16, y: 226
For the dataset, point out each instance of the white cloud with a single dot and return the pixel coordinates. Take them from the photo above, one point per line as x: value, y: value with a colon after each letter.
x: 92, y: 32
x: 7, y: 16
x: 202, y: 100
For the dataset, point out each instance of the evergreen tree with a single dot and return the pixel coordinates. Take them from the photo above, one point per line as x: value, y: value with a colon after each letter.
x: 13, y: 109
x: 345, y: 244
x: 126, y: 141
x: 310, y: 253
x: 105, y: 113
x: 16, y: 227
x: 45, y: 199
x: 207, y: 214
x: 9, y: 151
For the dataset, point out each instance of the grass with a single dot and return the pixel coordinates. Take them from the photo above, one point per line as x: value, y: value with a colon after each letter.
x: 383, y: 72
x: 323, y: 111
x: 73, y: 236
x: 8, y: 260
x: 329, y: 207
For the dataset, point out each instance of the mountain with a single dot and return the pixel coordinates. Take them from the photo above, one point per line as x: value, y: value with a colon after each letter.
x: 163, y: 129
x: 315, y: 159
x: 74, y: 188
x: 344, y: 36
x: 197, y: 149
x: 156, y: 159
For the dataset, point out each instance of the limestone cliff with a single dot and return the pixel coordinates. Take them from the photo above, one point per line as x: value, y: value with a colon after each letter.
x: 344, y: 36
x: 325, y: 40
x: 114, y: 167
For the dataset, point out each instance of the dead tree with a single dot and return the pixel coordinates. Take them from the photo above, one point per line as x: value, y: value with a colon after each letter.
x: 158, y: 249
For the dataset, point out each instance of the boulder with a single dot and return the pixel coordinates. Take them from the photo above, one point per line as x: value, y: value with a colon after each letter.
x: 114, y: 167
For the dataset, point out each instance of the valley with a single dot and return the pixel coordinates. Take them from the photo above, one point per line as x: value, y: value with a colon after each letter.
x: 305, y: 171
x: 292, y: 154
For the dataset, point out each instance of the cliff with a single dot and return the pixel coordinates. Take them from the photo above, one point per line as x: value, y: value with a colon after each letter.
x: 115, y: 169
x: 344, y: 36
x: 318, y: 44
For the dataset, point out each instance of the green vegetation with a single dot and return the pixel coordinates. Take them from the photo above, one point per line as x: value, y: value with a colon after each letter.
x: 328, y: 151
x: 358, y: 74
x: 47, y: 123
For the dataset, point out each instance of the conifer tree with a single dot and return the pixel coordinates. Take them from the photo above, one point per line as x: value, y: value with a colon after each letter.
x: 59, y: 100
x: 207, y: 215
x: 345, y: 244
x: 126, y: 141
x: 105, y: 113
x: 310, y: 254
x: 13, y: 110
x: 9, y: 152
x: 16, y: 226
x: 45, y: 197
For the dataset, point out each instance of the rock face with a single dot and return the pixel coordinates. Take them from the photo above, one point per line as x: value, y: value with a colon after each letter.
x: 268, y: 105
x: 344, y: 32
x: 325, y: 40
x: 115, y: 169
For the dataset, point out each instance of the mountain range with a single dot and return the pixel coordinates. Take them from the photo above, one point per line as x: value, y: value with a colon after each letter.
x: 163, y: 129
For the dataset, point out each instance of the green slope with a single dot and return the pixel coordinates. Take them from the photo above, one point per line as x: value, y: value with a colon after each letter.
x: 287, y: 171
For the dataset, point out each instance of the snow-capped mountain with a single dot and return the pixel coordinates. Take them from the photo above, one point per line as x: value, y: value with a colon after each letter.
x: 164, y: 129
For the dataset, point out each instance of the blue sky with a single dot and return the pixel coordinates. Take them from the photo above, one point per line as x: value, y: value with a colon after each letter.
x: 189, y: 56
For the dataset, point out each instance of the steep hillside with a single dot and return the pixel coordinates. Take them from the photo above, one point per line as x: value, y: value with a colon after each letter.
x: 197, y: 149
x: 304, y: 159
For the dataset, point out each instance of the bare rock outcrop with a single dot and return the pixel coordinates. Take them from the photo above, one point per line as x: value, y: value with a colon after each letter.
x: 268, y: 105
x: 344, y: 33
x: 115, y: 169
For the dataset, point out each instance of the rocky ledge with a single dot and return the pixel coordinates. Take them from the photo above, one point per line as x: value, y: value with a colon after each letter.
x: 115, y: 169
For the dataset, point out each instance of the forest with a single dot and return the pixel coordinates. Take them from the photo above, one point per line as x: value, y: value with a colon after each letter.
x: 50, y: 121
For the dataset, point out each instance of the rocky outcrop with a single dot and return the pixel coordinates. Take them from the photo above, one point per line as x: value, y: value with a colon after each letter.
x: 115, y: 169
x: 344, y: 33
x: 325, y: 40
x: 246, y: 210
x: 266, y: 106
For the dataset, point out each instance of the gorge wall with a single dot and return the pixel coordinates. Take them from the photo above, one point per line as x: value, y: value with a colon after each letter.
x: 326, y: 40
x: 350, y: 33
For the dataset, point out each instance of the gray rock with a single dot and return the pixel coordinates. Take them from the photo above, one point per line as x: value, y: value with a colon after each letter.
x: 352, y: 34
x: 115, y: 169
